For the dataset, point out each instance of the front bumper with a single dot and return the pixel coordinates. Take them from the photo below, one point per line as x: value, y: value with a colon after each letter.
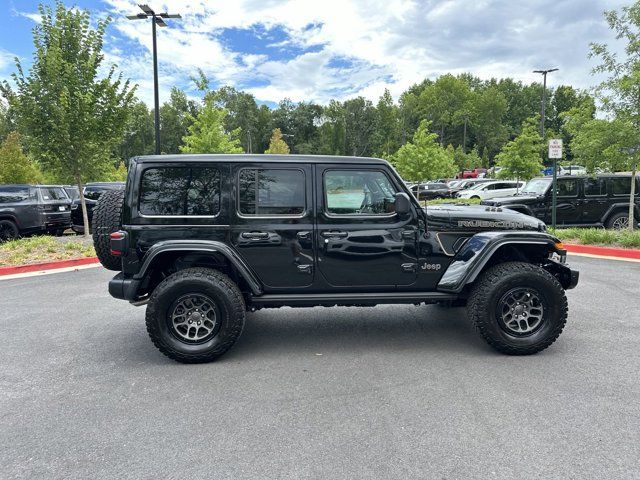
x: 124, y: 288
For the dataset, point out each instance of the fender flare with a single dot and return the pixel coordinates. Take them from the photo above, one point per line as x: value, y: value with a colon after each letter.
x: 479, y: 249
x: 200, y: 246
x: 521, y: 207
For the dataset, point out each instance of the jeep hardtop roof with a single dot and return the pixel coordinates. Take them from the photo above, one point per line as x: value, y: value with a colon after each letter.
x: 256, y: 158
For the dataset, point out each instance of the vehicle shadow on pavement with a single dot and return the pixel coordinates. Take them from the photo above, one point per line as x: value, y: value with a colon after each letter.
x: 357, y: 329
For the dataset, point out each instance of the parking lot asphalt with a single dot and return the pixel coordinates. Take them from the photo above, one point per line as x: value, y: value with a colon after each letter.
x: 384, y: 392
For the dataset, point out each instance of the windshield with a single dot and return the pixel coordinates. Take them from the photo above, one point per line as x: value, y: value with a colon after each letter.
x: 477, y: 186
x: 537, y: 186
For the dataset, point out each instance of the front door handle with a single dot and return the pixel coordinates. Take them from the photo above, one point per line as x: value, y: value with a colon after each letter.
x: 254, y: 235
x: 334, y: 234
x: 304, y: 235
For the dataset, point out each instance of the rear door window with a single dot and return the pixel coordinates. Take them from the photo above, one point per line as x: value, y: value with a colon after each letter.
x: 594, y: 187
x: 271, y: 192
x: 180, y: 191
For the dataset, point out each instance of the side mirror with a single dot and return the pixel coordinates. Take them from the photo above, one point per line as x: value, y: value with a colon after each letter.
x: 402, y: 203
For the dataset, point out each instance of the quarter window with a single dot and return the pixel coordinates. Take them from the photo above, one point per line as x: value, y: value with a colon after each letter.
x: 351, y: 192
x: 595, y: 186
x: 14, y: 194
x: 180, y: 191
x: 621, y: 186
x: 271, y: 192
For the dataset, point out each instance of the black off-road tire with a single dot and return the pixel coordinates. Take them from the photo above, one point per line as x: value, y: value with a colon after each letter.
x: 8, y: 231
x: 106, y: 220
x: 215, y: 285
x: 614, y: 220
x: 496, y: 282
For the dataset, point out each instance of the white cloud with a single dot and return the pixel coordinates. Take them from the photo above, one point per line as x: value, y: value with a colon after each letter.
x: 385, y: 43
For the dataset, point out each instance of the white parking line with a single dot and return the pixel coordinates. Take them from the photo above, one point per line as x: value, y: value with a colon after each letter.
x: 48, y: 272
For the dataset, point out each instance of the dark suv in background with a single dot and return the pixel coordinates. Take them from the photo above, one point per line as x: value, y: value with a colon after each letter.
x: 589, y: 201
x: 27, y: 209
x: 92, y: 192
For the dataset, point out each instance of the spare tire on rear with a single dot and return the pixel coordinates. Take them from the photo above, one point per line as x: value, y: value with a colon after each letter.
x: 106, y: 220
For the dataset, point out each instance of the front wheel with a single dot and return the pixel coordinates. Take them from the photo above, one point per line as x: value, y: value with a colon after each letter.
x: 518, y: 308
x: 195, y: 315
x: 8, y: 231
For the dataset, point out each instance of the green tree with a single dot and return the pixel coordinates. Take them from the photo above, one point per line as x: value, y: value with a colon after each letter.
x: 424, y: 158
x: 15, y: 166
x: 520, y: 158
x: 207, y: 133
x: 620, y: 92
x: 488, y: 109
x: 445, y: 104
x: 385, y: 137
x: 277, y: 144
x: 138, y: 134
x: 602, y: 144
x: 71, y: 112
x: 176, y: 116
x: 359, y: 118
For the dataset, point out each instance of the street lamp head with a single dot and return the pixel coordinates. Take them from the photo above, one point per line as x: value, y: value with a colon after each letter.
x: 544, y: 72
x: 160, y: 22
x: 146, y: 9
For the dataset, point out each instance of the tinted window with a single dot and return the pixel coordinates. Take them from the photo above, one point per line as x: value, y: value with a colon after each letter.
x: 13, y: 194
x: 271, y: 192
x: 595, y: 186
x: 72, y: 192
x: 621, y: 186
x: 567, y: 188
x: 180, y: 191
x: 52, y: 193
x: 351, y: 192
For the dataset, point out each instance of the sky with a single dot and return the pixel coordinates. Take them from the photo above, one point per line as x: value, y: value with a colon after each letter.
x: 310, y: 50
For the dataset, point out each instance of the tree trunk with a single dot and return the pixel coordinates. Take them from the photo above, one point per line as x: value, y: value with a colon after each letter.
x: 632, y: 195
x: 83, y: 205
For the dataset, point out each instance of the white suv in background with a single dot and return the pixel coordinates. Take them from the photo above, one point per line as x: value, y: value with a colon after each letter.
x: 498, y: 188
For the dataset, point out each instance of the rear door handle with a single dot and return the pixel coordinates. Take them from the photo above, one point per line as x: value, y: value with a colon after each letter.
x: 254, y: 235
x: 334, y: 234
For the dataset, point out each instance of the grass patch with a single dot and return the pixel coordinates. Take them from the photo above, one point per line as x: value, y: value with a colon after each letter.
x: 454, y: 201
x: 44, y: 249
x: 599, y: 236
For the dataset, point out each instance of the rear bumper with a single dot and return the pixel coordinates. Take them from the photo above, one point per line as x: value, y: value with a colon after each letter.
x: 574, y: 275
x: 123, y: 288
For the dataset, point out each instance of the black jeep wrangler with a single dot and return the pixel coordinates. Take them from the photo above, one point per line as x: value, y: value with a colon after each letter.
x: 201, y: 239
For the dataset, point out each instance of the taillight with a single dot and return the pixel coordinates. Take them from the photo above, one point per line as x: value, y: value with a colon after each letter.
x: 117, y: 242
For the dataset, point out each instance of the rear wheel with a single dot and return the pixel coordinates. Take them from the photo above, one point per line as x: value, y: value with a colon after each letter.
x: 106, y: 220
x: 8, y: 230
x: 518, y: 308
x: 618, y: 221
x: 195, y: 315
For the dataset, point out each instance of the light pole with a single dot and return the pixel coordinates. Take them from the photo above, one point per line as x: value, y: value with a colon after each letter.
x: 544, y: 96
x: 156, y: 19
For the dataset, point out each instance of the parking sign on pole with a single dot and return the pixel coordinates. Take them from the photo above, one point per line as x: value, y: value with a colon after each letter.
x: 555, y: 152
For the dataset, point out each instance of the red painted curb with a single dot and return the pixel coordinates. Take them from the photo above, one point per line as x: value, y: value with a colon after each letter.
x: 604, y: 251
x: 36, y: 267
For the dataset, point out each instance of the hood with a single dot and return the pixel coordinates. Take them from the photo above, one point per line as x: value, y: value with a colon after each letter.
x: 517, y: 199
x: 479, y: 218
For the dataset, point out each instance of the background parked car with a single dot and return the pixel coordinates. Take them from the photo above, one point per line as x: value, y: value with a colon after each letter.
x: 431, y: 190
x: 465, y: 184
x: 475, y: 173
x: 27, y: 209
x: 498, y: 188
x: 587, y: 201
x: 92, y: 192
